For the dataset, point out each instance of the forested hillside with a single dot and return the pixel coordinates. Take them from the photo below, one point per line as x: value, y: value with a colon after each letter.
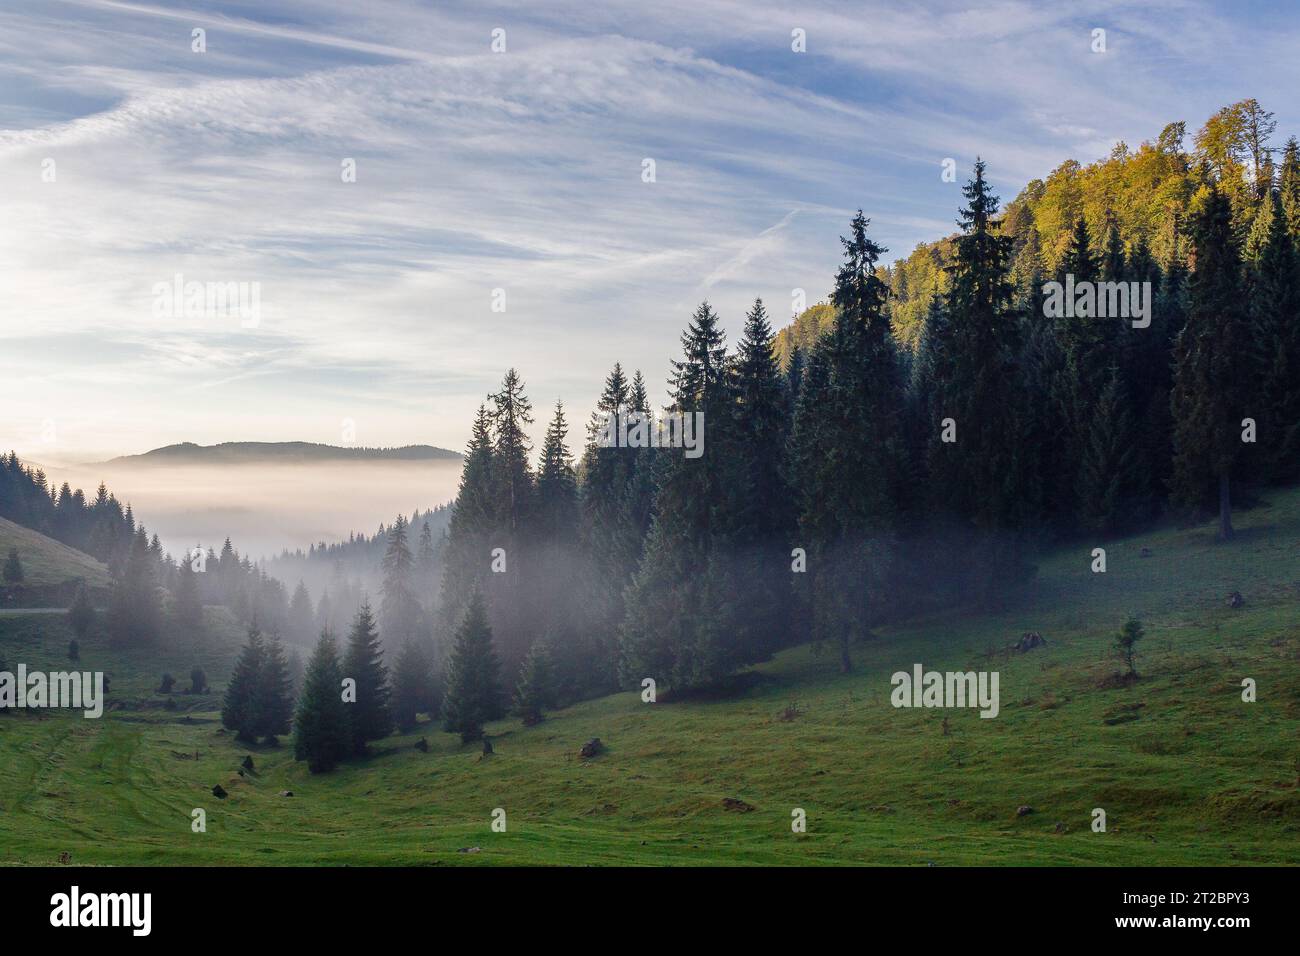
x: 915, y: 441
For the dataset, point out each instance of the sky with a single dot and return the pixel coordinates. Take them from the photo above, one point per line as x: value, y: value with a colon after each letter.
x: 502, y: 212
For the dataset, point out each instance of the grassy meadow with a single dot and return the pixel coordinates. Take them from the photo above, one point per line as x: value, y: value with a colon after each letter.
x: 1186, y: 771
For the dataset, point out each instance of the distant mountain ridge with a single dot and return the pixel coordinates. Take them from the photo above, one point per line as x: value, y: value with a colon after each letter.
x: 281, y: 452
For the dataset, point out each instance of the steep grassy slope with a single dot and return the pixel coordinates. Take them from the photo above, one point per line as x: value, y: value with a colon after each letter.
x: 46, y: 561
x: 1185, y: 770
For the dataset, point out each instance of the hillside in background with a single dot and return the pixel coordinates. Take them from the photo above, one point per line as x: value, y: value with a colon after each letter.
x: 283, y: 452
x: 51, y: 569
x: 1186, y: 771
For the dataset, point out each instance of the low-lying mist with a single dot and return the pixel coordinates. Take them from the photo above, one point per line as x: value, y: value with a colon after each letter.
x: 264, y: 508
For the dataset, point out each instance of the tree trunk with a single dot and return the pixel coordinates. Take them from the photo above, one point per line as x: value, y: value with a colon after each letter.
x: 846, y: 662
x: 1225, y: 508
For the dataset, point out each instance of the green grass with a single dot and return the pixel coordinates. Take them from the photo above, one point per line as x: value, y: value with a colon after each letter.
x: 1187, y: 772
x: 46, y: 561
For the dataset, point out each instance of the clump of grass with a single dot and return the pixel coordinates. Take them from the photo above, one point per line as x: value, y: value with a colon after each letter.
x: 1158, y: 747
x: 1122, y: 714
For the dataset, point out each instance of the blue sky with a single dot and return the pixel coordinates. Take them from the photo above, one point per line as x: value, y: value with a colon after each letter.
x: 519, y: 170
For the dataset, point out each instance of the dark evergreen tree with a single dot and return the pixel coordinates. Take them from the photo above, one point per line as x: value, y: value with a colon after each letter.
x: 850, y: 455
x: 1213, y: 370
x: 511, y: 593
x: 302, y: 621
x: 399, y: 611
x: 413, y: 684
x: 321, y: 730
x: 761, y: 515
x: 13, y: 569
x: 240, y: 710
x: 187, y: 610
x: 469, y: 532
x: 670, y: 631
x: 1111, y: 479
x: 557, y: 484
x: 274, y: 693
x: 81, y: 616
x: 473, y: 692
x: 616, y: 491
x: 368, y: 716
x: 1274, y: 287
x: 536, y: 689
x: 1289, y: 190
x: 134, y: 611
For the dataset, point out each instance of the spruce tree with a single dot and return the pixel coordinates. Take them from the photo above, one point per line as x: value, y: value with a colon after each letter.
x: 321, y: 734
x: 850, y: 453
x: 81, y: 616
x: 1111, y: 481
x: 557, y: 483
x: 425, y: 564
x: 399, y: 612
x: 134, y: 611
x: 1089, y: 347
x: 1274, y: 286
x: 473, y: 693
x: 511, y: 594
x: 469, y: 531
x: 613, y: 516
x: 241, y: 707
x: 368, y: 716
x: 761, y: 509
x: 13, y: 569
x: 670, y: 631
x: 982, y: 479
x: 536, y: 689
x: 274, y: 693
x: 302, y: 620
x: 187, y: 609
x: 1213, y: 373
x: 1289, y: 190
x: 412, y: 684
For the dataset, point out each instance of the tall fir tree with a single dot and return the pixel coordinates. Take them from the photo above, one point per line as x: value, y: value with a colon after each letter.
x: 473, y: 693
x: 399, y: 611
x: 241, y: 707
x: 1213, y: 373
x: 850, y: 456
x: 81, y: 615
x: 535, y: 691
x: 302, y: 620
x: 614, y: 500
x: 511, y: 588
x: 187, y: 609
x: 274, y: 693
x: 1111, y: 477
x: 671, y: 630
x: 1274, y: 296
x: 368, y: 716
x: 321, y: 733
x: 761, y: 513
x: 978, y: 473
x: 13, y: 569
x: 470, y: 528
x: 413, y: 684
x: 134, y: 611
x: 557, y: 483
